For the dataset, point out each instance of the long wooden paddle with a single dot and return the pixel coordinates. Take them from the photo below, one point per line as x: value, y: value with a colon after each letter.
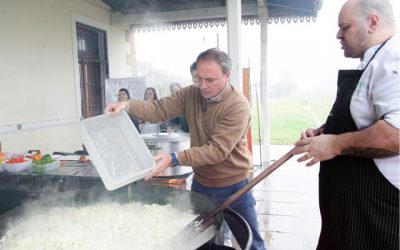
x: 205, y: 220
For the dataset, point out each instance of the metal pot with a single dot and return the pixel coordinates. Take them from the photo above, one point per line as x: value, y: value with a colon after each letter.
x: 167, y: 142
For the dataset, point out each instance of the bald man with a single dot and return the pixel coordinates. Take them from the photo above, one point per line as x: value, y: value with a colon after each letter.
x: 358, y: 146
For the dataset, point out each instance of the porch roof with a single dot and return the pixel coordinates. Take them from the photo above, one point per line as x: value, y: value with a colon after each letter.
x: 161, y: 14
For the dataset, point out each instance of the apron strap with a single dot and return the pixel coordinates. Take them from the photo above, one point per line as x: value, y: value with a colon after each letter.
x: 376, y: 52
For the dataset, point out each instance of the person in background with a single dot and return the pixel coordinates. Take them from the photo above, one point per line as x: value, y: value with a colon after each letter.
x: 358, y: 146
x: 193, y: 72
x: 150, y: 94
x: 218, y: 116
x: 123, y: 95
x: 179, y: 121
x: 175, y: 122
x: 174, y: 87
x: 149, y: 126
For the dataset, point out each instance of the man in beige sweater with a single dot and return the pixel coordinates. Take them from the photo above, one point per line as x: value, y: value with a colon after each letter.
x: 218, y: 117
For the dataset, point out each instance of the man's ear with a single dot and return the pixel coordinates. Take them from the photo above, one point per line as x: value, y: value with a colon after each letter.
x: 373, y: 22
x: 228, y: 76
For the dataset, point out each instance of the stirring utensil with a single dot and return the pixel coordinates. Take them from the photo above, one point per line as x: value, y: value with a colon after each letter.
x: 205, y: 220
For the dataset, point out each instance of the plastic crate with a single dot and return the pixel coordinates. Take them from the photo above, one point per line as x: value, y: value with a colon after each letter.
x: 116, y: 149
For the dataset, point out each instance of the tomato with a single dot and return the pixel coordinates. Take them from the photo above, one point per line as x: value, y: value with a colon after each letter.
x: 16, y: 160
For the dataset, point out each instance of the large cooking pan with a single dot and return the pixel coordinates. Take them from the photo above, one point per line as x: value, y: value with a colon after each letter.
x: 148, y: 194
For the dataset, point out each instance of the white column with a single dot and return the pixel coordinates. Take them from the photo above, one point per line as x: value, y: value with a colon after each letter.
x: 131, y: 57
x: 234, y: 20
x: 263, y: 17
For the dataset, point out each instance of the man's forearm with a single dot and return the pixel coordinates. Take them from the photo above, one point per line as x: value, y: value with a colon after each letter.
x: 378, y: 141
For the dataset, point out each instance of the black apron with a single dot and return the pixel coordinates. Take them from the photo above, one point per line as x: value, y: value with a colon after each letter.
x: 359, y: 206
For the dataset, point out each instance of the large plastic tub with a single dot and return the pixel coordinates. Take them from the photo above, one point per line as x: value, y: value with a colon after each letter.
x: 116, y: 149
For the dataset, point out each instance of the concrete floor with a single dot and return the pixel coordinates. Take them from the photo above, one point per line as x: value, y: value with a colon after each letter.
x: 287, y: 204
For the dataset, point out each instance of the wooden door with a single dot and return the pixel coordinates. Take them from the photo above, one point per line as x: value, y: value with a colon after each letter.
x: 93, y: 69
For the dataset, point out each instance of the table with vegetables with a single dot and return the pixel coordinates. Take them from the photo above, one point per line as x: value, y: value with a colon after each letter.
x: 25, y: 176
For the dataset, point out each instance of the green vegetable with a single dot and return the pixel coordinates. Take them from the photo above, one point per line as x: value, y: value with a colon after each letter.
x: 45, y: 160
x: 43, y: 165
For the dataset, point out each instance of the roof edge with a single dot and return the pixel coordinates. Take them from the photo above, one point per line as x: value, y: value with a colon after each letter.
x: 199, y: 24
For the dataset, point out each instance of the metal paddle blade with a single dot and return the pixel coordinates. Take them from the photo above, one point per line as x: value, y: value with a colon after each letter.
x: 196, y: 233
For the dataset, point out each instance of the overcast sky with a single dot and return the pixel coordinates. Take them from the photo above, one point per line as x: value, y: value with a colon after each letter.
x: 307, y: 53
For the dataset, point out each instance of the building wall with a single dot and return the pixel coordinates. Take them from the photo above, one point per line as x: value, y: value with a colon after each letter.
x: 39, y: 85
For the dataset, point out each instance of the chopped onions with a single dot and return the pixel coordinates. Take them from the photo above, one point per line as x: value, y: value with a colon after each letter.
x: 101, y: 226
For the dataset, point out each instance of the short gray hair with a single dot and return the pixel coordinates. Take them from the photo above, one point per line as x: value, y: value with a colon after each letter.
x: 219, y: 57
x: 382, y: 7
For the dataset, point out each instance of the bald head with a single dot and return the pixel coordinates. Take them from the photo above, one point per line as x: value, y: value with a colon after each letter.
x: 363, y: 24
x: 383, y: 8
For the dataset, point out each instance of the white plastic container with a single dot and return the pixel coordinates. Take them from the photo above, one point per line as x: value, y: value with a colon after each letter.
x: 116, y: 148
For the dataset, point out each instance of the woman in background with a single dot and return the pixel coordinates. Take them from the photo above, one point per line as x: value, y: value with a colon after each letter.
x: 150, y: 94
x: 123, y: 95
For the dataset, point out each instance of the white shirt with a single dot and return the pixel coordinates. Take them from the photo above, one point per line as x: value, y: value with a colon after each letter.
x: 377, y: 96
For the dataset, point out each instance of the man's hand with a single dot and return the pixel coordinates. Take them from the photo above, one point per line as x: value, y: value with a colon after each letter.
x: 377, y: 141
x: 308, y: 133
x: 312, y: 132
x: 317, y: 148
x: 164, y: 160
x: 116, y: 107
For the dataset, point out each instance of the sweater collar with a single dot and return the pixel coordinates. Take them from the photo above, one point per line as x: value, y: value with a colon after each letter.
x: 222, y: 95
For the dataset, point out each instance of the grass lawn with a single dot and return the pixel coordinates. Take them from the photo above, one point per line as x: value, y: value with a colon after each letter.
x: 290, y: 116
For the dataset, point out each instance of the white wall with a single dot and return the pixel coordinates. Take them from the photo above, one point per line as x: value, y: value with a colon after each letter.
x: 39, y: 84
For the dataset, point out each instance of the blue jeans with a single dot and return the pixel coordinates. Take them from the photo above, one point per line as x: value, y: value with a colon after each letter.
x: 244, y: 205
